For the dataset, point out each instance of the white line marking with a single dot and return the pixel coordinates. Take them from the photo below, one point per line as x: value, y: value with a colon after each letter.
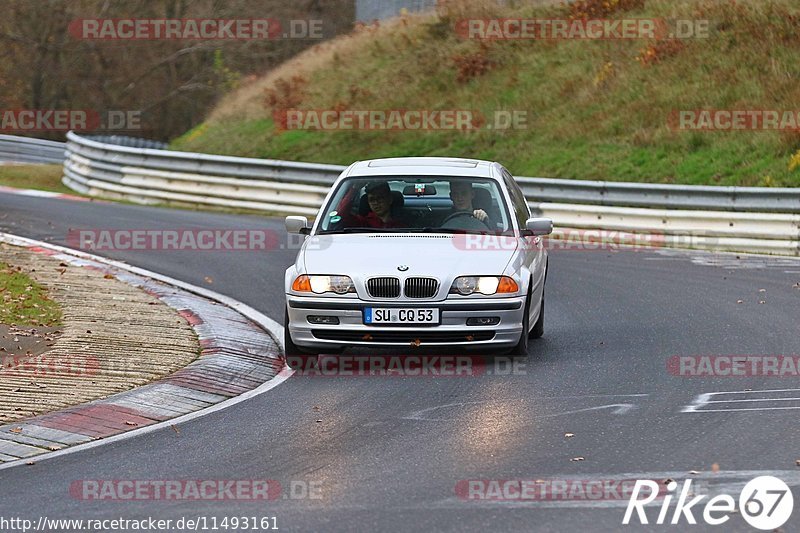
x: 754, y: 391
x: 705, y: 399
x: 742, y: 409
x: 757, y: 400
x: 275, y: 329
x: 619, y: 408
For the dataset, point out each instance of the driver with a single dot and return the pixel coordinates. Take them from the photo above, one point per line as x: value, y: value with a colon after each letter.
x: 461, y: 193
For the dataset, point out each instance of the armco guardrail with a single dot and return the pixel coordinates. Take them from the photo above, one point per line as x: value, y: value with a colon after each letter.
x: 16, y: 149
x: 755, y: 199
x: 729, y: 218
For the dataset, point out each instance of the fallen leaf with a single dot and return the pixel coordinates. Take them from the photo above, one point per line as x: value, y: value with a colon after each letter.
x: 208, y: 279
x: 129, y: 423
x: 108, y: 276
x: 175, y: 429
x: 16, y: 430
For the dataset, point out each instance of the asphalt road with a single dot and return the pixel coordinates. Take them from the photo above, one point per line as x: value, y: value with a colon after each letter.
x: 388, y: 452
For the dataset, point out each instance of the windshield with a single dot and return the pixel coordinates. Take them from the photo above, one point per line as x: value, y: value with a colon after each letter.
x: 413, y: 203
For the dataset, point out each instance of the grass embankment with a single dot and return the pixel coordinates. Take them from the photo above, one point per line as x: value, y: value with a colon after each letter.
x: 596, y: 109
x: 25, y: 302
x: 39, y: 177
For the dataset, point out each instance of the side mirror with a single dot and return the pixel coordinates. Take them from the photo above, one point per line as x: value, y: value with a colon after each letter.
x: 297, y: 224
x: 539, y: 226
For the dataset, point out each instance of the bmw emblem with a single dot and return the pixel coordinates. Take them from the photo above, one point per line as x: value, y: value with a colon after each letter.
x: 402, y: 268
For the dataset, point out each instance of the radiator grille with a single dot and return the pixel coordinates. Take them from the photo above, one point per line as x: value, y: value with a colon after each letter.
x: 420, y: 287
x: 383, y: 287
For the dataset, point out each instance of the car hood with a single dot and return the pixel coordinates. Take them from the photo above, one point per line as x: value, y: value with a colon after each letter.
x: 443, y: 256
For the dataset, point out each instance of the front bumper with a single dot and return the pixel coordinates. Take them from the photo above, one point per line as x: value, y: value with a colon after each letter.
x: 452, y: 330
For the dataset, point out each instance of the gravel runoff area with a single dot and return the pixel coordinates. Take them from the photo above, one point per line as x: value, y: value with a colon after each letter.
x: 114, y: 337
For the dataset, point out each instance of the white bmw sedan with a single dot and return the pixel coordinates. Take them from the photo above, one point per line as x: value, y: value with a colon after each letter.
x: 418, y: 252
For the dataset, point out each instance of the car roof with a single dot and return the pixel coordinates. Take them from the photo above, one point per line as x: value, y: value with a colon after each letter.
x: 429, y: 166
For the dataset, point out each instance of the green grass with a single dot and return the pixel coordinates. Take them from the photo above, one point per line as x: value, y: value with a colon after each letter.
x: 595, y: 111
x: 39, y: 177
x: 25, y: 302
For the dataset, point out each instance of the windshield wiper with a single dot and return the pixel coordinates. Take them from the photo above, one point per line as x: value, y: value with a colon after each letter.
x: 356, y: 230
x: 454, y: 231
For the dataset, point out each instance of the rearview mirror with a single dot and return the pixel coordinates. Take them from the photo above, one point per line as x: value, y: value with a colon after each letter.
x: 539, y: 226
x: 297, y: 224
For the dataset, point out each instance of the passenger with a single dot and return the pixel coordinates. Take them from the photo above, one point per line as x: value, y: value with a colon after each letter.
x: 382, y: 213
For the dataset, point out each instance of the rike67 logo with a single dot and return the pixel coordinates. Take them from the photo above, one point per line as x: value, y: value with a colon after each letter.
x: 766, y: 503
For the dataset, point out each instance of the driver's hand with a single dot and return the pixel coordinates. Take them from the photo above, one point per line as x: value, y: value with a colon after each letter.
x: 480, y: 214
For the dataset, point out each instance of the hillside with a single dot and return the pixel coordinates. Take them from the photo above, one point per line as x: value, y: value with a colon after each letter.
x: 596, y: 109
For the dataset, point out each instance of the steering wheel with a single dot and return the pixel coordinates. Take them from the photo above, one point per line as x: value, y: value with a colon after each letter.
x: 462, y: 214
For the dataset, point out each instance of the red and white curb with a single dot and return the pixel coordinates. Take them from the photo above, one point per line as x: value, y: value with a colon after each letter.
x: 47, y: 194
x: 241, y: 356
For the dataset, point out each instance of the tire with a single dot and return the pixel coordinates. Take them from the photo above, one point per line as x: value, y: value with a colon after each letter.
x: 296, y: 357
x: 538, y: 329
x: 521, y: 349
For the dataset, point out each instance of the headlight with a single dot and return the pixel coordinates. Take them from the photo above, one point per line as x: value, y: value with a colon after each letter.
x: 321, y: 284
x: 487, y: 285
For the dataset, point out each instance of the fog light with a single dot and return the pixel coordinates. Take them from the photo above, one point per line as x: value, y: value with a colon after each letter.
x: 483, y: 321
x: 323, y: 319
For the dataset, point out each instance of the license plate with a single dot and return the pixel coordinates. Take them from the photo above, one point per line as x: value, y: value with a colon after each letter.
x: 397, y: 315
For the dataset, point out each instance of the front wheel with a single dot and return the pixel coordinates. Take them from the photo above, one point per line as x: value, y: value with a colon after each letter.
x: 538, y: 329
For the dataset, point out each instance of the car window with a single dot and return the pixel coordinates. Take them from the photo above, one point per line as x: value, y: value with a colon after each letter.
x: 521, y: 209
x: 416, y: 203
